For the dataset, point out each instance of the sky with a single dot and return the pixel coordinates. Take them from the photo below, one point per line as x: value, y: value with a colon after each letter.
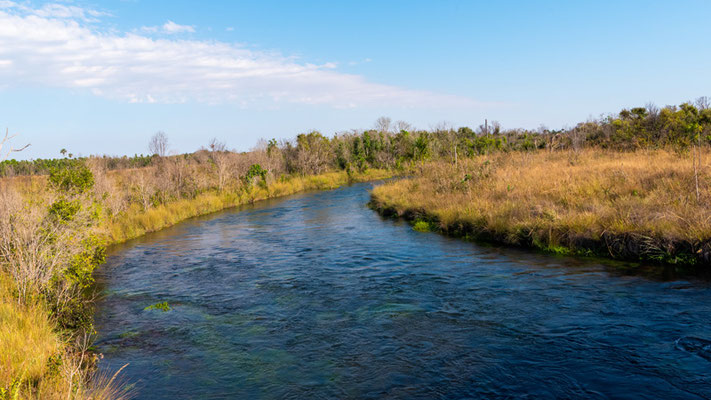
x: 101, y: 77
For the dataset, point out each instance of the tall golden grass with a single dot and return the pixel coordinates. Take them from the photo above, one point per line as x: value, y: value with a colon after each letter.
x: 639, y: 205
x: 27, y: 338
x: 136, y: 222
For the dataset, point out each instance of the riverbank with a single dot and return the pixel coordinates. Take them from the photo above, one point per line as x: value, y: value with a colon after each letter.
x: 640, y: 206
x: 137, y: 222
x: 43, y: 359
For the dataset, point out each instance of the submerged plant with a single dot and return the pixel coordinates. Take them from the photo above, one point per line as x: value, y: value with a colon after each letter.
x: 159, y: 306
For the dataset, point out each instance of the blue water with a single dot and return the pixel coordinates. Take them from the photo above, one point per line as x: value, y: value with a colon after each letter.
x: 317, y: 297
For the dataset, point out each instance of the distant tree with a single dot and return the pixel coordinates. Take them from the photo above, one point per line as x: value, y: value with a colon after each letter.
x: 382, y: 124
x: 271, y: 146
x: 63, y: 152
x: 652, y: 110
x: 6, y: 142
x: 313, y: 153
x: 220, y: 157
x: 402, y: 126
x: 158, y: 144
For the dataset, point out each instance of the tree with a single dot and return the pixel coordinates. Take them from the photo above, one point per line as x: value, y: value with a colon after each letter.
x: 219, y: 157
x: 158, y: 144
x: 6, y: 142
x: 313, y: 153
x: 382, y: 124
x: 402, y: 126
x: 271, y: 147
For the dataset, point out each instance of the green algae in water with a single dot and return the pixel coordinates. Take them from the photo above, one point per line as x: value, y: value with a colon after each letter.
x: 129, y: 334
x: 422, y: 226
x: 159, y: 306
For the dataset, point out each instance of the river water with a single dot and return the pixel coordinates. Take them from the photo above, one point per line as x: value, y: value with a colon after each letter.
x: 316, y: 297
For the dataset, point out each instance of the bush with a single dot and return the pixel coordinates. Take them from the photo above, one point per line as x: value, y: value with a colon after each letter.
x: 64, y: 210
x: 255, y: 171
x: 76, y: 178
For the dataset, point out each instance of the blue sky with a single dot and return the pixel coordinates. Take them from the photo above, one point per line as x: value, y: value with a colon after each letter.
x: 100, y: 77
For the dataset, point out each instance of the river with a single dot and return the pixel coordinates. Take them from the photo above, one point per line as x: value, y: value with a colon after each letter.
x: 315, y: 296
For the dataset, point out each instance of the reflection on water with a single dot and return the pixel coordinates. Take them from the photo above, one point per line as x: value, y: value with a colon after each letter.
x: 316, y: 296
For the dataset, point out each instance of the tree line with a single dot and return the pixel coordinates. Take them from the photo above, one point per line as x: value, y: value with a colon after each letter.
x: 394, y: 145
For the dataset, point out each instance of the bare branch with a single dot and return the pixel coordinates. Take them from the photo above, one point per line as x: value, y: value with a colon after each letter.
x: 6, y: 141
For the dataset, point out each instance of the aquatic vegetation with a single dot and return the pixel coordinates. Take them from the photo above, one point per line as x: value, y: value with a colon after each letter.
x: 163, y: 306
x: 421, y: 226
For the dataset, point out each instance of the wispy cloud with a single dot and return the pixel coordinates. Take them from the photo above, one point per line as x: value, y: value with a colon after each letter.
x: 63, y: 46
x: 54, y: 10
x: 169, y: 28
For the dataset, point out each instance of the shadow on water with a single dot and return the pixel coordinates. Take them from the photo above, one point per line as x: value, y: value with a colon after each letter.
x: 316, y: 296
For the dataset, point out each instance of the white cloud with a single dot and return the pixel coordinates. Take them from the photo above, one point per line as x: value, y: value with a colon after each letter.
x: 169, y: 28
x: 54, y: 10
x: 172, y: 27
x: 61, y: 46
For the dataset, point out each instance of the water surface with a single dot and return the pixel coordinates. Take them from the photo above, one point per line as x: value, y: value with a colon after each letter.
x: 315, y: 296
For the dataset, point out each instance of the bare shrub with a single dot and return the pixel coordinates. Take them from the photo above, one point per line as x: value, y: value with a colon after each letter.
x: 35, y: 245
x: 144, y: 187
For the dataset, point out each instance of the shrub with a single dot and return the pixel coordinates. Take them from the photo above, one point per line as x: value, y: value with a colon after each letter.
x: 255, y: 171
x: 64, y: 210
x: 76, y: 178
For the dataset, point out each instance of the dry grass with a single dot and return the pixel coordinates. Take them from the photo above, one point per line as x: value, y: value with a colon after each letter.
x: 630, y: 205
x: 27, y: 338
x: 136, y: 222
x: 30, y: 355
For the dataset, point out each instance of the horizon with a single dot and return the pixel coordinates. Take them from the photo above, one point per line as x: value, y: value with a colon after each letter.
x: 93, y: 77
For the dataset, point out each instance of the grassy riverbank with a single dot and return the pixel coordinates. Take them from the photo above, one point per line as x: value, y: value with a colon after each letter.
x: 137, y: 222
x: 629, y: 205
x: 42, y: 357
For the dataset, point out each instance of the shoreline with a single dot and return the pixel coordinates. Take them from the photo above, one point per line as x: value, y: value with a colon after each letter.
x: 626, y: 248
x: 626, y: 207
x: 135, y: 225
